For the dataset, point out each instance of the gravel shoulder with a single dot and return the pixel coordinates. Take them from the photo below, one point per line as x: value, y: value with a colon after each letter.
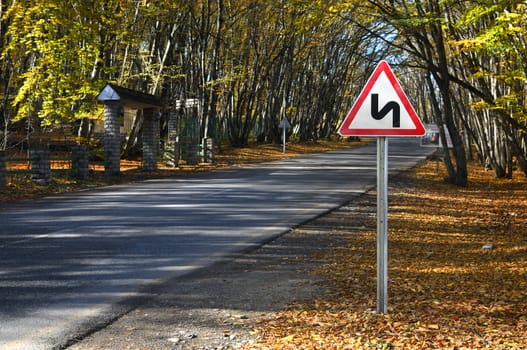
x: 217, y: 307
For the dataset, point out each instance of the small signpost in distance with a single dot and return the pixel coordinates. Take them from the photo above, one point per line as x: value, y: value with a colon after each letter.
x: 284, y: 125
x: 382, y: 109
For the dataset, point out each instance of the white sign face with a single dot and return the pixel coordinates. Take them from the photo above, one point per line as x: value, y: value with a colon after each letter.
x: 382, y: 109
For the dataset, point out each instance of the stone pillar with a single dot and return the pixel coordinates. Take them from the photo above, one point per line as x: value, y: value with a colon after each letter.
x: 112, y: 138
x: 79, y: 162
x: 3, y: 170
x: 172, y: 146
x: 208, y: 151
x: 189, y: 150
x: 184, y: 141
x: 40, y: 164
x: 193, y: 154
x: 150, y: 139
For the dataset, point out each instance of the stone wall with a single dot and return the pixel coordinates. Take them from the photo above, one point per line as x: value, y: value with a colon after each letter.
x: 150, y: 139
x: 40, y: 164
x: 208, y: 150
x: 171, y: 153
x: 79, y: 162
x: 189, y: 150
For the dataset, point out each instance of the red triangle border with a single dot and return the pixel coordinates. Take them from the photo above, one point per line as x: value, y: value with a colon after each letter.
x: 383, y: 66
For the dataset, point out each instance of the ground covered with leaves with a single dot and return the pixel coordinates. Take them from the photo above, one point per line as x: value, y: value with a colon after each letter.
x: 457, y: 271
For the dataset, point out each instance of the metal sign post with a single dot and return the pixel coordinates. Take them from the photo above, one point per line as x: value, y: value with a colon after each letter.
x: 284, y: 125
x: 382, y: 109
x: 283, y: 139
x: 382, y: 224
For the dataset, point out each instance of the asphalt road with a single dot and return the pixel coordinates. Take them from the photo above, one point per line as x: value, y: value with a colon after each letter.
x: 73, y: 261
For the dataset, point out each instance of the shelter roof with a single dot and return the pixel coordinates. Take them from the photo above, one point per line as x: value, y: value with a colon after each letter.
x: 128, y: 97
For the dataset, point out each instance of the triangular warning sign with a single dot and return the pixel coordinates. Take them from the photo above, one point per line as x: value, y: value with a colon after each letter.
x: 382, y: 109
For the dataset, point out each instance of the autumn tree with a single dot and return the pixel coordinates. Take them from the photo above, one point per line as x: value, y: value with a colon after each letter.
x: 420, y: 33
x: 473, y: 55
x: 249, y: 63
x: 489, y: 39
x: 51, y: 49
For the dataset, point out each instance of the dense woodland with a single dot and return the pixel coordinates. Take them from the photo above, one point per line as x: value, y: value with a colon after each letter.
x: 253, y: 62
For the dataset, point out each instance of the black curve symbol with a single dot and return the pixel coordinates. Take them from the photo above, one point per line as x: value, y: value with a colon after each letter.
x: 390, y: 106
